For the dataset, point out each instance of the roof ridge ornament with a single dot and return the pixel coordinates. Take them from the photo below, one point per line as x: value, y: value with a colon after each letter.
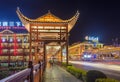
x: 49, y: 11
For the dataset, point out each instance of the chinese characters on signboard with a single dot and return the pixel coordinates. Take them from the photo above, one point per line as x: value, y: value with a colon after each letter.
x: 11, y: 25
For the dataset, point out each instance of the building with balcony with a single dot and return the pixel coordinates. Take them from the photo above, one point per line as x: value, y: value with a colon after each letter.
x: 14, y: 44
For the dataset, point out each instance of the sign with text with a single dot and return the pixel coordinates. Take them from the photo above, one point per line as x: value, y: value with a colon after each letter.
x: 11, y: 25
x: 94, y: 39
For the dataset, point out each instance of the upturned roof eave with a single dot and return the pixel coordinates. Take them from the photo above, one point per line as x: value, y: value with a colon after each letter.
x: 71, y: 22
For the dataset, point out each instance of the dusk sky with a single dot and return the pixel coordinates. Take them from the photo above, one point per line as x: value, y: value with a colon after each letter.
x: 97, y: 17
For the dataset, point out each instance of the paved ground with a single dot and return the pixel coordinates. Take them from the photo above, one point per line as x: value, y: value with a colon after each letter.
x: 57, y: 74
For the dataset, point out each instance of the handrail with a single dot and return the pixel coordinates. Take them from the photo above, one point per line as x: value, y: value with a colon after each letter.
x: 36, y: 66
x: 26, y: 74
x: 22, y: 73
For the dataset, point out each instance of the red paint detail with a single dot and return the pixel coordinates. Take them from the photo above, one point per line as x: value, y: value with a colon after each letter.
x: 15, y: 45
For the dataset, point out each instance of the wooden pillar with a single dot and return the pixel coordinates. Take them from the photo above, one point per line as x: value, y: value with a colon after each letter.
x: 61, y: 53
x: 30, y: 65
x: 23, y: 58
x: 23, y: 49
x: 36, y: 54
x: 40, y: 70
x: 67, y: 43
x: 44, y: 58
x: 67, y: 53
x: 30, y: 55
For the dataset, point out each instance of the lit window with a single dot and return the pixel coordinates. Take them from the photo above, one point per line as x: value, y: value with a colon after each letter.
x: 62, y: 27
x: 11, y: 39
x: 18, y: 40
x: 3, y: 39
x: 40, y: 27
x: 34, y: 26
x: 49, y: 27
x: 25, y: 39
x: 57, y: 27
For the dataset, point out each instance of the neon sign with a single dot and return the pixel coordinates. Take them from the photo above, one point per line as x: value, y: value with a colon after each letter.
x: 94, y: 39
x: 11, y: 23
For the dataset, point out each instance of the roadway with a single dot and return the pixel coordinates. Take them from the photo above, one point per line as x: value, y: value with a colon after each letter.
x: 112, y: 71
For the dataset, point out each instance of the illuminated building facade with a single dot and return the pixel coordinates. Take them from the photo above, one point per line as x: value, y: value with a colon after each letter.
x: 78, y: 50
x: 14, y: 43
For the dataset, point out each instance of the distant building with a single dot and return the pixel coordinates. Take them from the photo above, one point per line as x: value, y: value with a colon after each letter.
x: 14, y: 44
x: 115, y: 42
x: 77, y: 50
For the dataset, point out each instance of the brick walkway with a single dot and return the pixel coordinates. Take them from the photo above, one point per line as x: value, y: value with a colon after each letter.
x: 57, y: 74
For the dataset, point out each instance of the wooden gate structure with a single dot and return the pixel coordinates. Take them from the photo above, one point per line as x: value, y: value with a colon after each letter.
x: 46, y: 29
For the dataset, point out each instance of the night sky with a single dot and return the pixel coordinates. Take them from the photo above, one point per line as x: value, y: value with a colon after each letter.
x: 97, y: 17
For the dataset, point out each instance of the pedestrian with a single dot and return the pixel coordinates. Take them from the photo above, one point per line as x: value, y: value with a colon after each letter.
x: 51, y: 63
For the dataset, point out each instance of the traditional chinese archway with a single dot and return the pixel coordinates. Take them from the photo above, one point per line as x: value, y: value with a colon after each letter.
x: 46, y: 29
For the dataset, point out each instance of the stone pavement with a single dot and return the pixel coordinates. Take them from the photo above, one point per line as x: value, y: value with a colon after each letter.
x: 57, y: 74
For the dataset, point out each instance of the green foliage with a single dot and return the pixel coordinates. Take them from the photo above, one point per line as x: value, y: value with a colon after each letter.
x: 4, y: 74
x: 76, y: 72
x: 84, y: 78
x: 65, y: 65
x: 92, y: 75
x: 16, y: 68
x: 106, y: 80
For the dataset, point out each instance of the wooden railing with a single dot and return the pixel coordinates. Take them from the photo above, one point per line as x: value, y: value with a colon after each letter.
x: 34, y: 73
